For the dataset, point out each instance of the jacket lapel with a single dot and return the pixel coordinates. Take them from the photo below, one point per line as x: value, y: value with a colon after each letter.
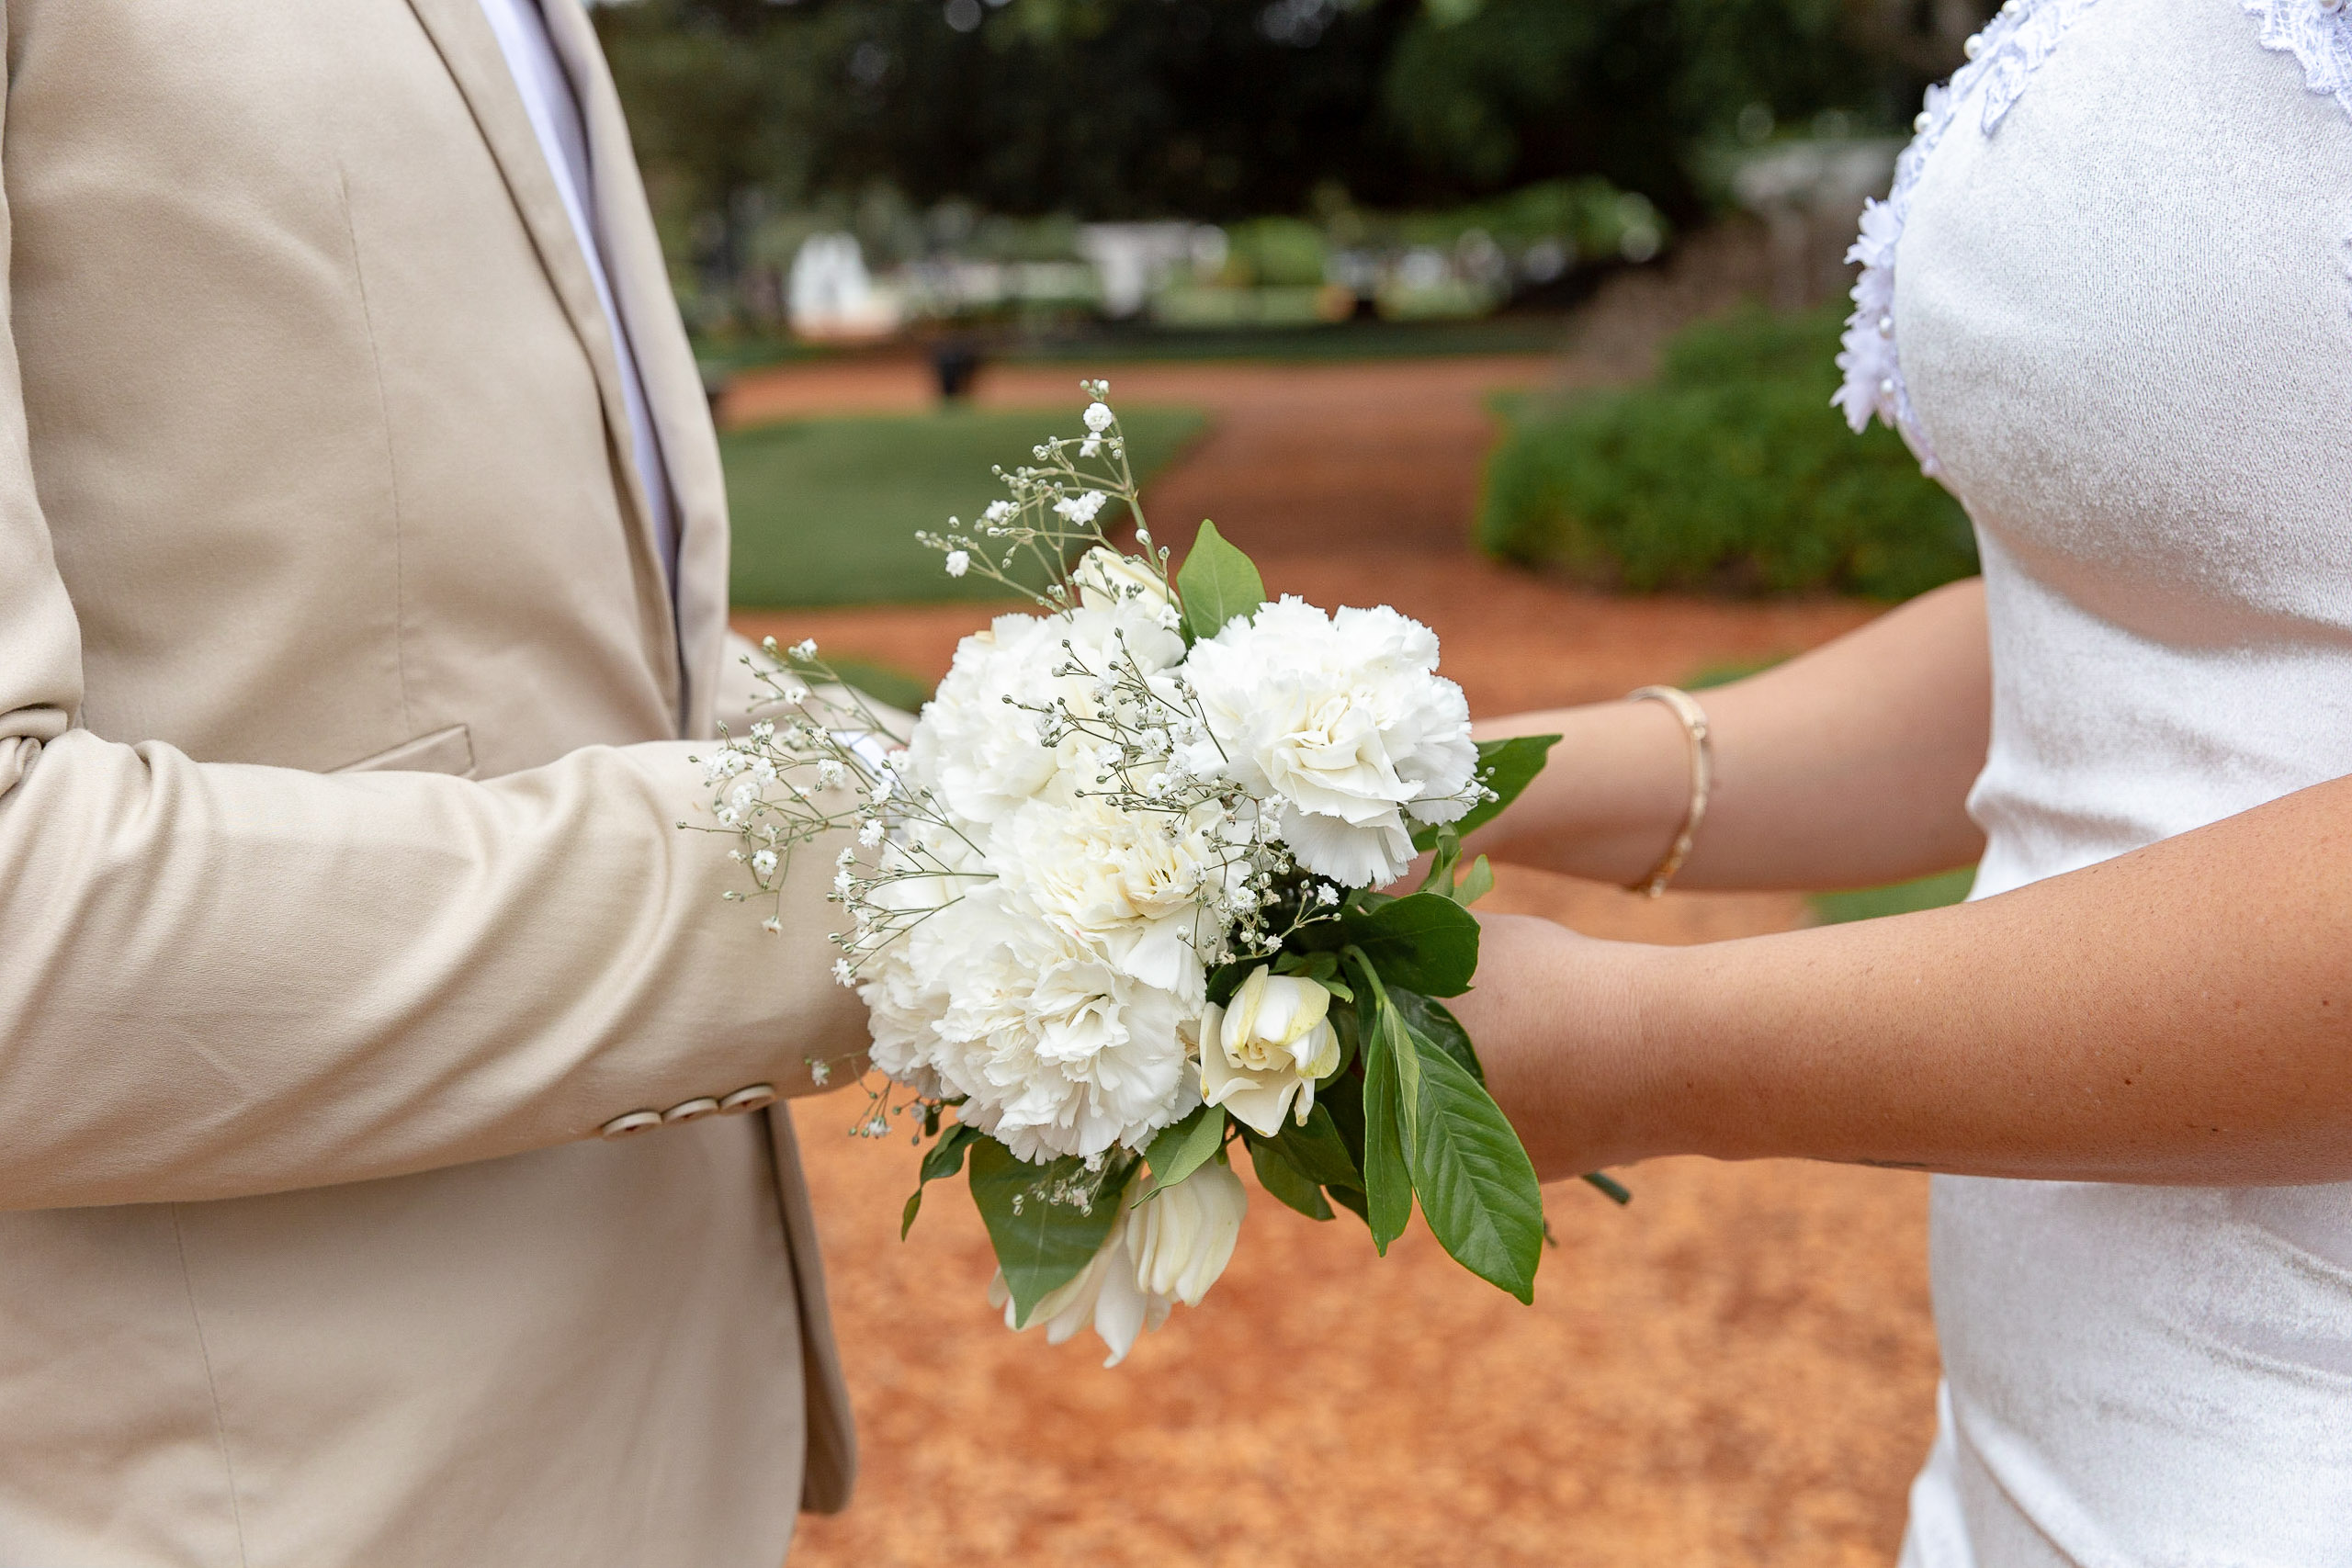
x: 673, y: 388
x: 461, y: 33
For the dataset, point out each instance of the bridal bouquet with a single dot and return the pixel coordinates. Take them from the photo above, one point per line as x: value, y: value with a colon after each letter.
x: 1122, y: 907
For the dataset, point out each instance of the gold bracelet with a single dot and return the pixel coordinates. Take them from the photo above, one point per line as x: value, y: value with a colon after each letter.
x: 1702, y: 780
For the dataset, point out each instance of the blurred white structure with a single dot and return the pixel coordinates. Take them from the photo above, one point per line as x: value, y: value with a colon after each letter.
x: 1810, y: 194
x: 830, y: 296
x: 1135, y: 259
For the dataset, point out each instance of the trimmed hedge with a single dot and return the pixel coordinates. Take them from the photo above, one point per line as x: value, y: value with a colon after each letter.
x: 1730, y: 472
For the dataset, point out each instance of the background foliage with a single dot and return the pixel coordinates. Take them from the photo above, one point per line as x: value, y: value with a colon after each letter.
x: 1730, y: 472
x: 1225, y: 108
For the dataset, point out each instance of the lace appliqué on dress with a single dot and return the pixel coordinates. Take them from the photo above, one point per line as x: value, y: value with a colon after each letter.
x: 2319, y: 35
x: 2013, y: 44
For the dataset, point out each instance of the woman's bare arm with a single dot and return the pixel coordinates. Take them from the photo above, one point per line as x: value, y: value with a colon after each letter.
x: 2179, y: 1014
x: 1844, y: 768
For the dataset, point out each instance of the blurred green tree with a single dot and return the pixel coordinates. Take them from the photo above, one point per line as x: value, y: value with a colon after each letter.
x: 1225, y: 108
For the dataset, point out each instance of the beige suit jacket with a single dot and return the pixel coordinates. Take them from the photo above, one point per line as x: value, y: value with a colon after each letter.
x: 341, y: 899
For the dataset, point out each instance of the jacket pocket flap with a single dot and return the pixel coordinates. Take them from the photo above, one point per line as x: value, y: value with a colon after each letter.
x: 449, y: 751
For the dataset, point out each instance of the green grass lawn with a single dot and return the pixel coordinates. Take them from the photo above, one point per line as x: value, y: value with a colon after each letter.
x: 1902, y: 898
x: 826, y: 509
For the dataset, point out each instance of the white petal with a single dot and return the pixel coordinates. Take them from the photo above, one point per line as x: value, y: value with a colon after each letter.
x: 1257, y: 1103
x: 1355, y: 857
x: 1121, y: 1305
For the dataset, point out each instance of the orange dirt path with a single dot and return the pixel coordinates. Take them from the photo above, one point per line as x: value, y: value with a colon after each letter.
x: 1738, y: 1371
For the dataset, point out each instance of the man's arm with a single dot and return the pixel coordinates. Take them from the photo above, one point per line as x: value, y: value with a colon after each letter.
x: 218, y: 980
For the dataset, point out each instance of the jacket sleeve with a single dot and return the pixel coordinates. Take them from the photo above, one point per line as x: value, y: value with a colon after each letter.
x: 218, y: 980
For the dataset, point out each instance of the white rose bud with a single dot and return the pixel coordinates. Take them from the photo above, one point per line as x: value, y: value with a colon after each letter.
x: 1266, y: 1048
x: 1105, y: 579
x: 1168, y: 1248
x: 1182, y: 1238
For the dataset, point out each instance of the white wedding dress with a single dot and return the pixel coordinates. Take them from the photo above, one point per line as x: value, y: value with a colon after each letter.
x: 2108, y: 303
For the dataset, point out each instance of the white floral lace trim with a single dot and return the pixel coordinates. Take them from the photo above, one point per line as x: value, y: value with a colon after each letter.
x: 2013, y: 44
x: 2320, y: 37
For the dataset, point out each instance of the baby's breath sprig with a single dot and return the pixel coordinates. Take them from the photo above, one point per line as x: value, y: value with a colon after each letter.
x: 1054, y: 512
x: 828, y: 760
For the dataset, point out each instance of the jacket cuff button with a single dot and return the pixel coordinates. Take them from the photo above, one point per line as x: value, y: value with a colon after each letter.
x: 628, y: 1126
x: 753, y: 1098
x: 692, y: 1110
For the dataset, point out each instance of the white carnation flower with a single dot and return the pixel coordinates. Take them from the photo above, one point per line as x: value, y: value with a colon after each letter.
x: 1169, y: 1248
x: 1132, y: 885
x: 905, y: 1000
x: 1059, y: 1051
x: 1345, y: 722
x: 980, y: 752
x: 902, y: 1016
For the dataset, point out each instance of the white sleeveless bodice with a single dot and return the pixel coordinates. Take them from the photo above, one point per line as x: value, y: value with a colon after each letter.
x: 2121, y: 329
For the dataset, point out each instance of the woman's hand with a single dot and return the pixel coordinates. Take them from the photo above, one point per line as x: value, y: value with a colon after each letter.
x: 2178, y: 1014
x: 1554, y: 1018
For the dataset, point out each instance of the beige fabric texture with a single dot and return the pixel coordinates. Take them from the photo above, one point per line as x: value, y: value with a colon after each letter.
x: 341, y: 897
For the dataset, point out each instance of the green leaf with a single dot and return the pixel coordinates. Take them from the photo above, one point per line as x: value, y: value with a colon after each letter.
x: 1278, y: 1176
x: 1448, y: 847
x: 1041, y: 1245
x: 1225, y: 979
x: 1477, y: 1188
x: 1179, y: 1150
x: 1435, y: 1025
x: 942, y: 1159
x: 1387, y: 1034
x: 1506, y: 767
x: 1425, y: 942
x: 1318, y: 1151
x: 1318, y: 966
x: 1217, y: 583
x: 1387, y: 1182
x: 1397, y: 1039
x: 1342, y: 1099
x: 1477, y: 885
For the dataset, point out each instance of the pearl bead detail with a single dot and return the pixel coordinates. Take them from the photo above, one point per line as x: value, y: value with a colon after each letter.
x: 1886, y: 326
x: 1976, y: 45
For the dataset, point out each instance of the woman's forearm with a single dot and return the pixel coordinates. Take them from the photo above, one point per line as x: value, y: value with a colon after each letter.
x: 1846, y: 767
x: 2182, y: 1014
